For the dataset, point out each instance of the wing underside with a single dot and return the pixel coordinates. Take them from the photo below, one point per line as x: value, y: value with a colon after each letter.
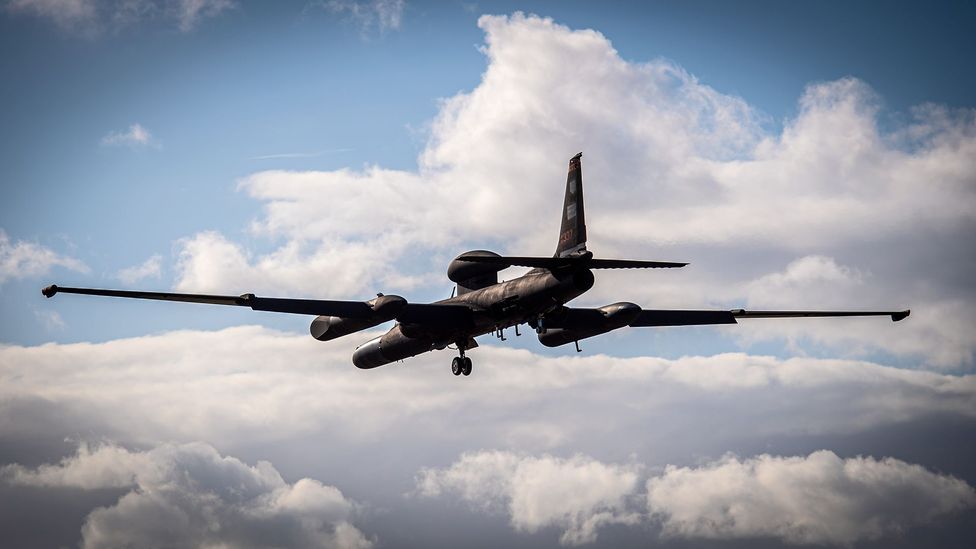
x: 429, y: 314
x: 663, y: 317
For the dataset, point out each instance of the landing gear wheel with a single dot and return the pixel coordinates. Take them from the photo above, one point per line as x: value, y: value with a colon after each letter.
x: 456, y: 365
x: 466, y: 366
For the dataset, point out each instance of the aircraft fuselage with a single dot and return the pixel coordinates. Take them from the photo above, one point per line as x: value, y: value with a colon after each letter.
x: 499, y: 306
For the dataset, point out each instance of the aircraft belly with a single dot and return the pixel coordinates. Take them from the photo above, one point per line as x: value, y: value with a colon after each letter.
x: 498, y: 306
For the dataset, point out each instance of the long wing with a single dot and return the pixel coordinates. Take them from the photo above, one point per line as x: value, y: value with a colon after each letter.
x: 431, y: 314
x: 664, y: 317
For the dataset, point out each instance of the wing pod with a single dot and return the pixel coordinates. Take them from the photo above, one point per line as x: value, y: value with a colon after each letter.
x: 571, y: 325
x: 385, y: 308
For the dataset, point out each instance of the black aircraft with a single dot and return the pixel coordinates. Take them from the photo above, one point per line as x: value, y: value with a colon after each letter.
x: 482, y: 304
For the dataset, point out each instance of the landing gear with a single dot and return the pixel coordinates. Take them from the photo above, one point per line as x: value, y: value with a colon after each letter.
x: 461, y: 365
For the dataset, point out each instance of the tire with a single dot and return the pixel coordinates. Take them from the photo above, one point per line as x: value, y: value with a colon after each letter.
x: 466, y: 366
x: 456, y: 366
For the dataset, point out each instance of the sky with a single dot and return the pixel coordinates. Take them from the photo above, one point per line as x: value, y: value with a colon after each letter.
x: 798, y: 155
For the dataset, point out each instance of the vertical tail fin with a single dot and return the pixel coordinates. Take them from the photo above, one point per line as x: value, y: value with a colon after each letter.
x: 572, y: 233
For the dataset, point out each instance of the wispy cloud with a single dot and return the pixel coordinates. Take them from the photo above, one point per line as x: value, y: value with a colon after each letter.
x: 50, y: 319
x: 190, y: 12
x: 135, y: 136
x: 23, y: 259
x: 150, y: 268
x: 299, y: 154
x: 76, y: 15
x: 92, y: 17
x: 381, y: 15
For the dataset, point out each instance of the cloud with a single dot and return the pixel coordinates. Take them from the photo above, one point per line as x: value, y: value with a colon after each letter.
x: 817, y: 499
x: 50, y: 319
x: 190, y: 496
x: 93, y: 17
x: 144, y: 388
x: 381, y: 15
x: 135, y: 136
x: 150, y: 268
x: 67, y: 14
x: 264, y: 394
x: 21, y: 259
x: 577, y: 495
x: 189, y: 13
x: 299, y: 154
x: 674, y: 169
x: 819, y: 282
x: 210, y: 262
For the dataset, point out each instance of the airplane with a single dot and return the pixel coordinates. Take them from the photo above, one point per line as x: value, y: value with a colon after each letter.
x: 483, y: 305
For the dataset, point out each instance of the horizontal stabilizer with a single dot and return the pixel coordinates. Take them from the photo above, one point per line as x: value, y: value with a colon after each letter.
x: 572, y: 262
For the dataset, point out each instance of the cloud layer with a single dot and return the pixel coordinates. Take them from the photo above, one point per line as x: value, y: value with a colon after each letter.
x: 294, y: 397
x: 831, y: 211
x: 190, y: 496
x: 228, y: 373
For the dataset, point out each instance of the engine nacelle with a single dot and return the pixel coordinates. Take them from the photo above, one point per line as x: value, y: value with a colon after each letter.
x: 473, y: 276
x: 385, y: 307
x: 576, y: 324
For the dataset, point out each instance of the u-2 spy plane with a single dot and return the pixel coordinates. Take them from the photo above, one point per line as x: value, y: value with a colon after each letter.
x: 483, y: 304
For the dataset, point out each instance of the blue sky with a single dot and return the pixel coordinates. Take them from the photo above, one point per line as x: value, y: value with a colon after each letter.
x: 799, y: 155
x: 262, y: 80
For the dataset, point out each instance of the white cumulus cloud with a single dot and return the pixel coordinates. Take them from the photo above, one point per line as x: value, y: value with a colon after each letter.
x: 189, y: 495
x: 578, y: 495
x: 674, y: 169
x: 815, y: 499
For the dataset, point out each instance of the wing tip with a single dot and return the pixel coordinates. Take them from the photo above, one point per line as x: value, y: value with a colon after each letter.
x: 50, y: 291
x: 900, y: 315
